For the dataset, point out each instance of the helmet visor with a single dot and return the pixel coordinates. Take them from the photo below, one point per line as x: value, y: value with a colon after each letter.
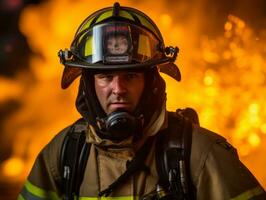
x: 116, y: 43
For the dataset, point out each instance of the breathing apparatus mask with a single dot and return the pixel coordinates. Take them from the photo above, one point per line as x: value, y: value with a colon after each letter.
x: 120, y: 125
x: 118, y: 38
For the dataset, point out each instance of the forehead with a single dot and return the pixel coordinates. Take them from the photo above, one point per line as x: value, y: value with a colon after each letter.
x: 119, y: 72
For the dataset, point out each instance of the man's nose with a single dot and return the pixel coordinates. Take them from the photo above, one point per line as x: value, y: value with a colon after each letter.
x: 119, y: 85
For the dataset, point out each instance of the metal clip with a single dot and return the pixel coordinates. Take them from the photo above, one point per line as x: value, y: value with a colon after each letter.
x: 171, y: 51
x: 65, y: 55
x: 66, y: 172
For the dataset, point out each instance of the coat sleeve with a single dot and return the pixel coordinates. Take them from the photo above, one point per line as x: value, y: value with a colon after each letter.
x: 44, y: 179
x: 220, y: 175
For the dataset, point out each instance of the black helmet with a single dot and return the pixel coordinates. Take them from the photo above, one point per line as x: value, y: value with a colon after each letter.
x: 117, y: 38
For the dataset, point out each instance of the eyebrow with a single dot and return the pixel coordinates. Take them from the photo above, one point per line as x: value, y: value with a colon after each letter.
x: 118, y: 72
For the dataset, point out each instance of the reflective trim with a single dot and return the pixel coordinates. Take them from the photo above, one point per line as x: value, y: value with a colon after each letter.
x: 28, y: 195
x: 126, y: 14
x: 110, y: 198
x: 84, y: 26
x: 105, y: 15
x: 20, y: 197
x: 32, y: 192
x: 249, y: 194
x: 89, y: 46
x: 147, y: 24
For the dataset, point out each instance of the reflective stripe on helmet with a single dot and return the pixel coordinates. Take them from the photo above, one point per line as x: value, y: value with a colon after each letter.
x: 148, y: 25
x: 89, y: 47
x: 124, y: 12
x: 84, y: 26
x: 104, y: 15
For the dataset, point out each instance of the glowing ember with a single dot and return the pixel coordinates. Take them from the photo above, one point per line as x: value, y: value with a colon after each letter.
x: 223, y: 79
x: 13, y: 167
x: 9, y: 89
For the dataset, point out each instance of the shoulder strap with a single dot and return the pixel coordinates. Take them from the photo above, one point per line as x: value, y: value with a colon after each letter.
x: 173, y: 149
x: 135, y: 165
x: 73, y: 159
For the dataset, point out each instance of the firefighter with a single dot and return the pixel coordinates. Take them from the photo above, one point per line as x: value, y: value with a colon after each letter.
x: 127, y: 145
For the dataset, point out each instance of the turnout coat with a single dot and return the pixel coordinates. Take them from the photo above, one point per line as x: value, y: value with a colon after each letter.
x: 216, y: 171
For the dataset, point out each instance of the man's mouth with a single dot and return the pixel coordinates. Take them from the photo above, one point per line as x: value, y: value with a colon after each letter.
x: 120, y: 105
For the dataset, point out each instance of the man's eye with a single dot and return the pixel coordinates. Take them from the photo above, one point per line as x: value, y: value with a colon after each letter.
x: 105, y: 76
x: 108, y: 76
x: 132, y: 76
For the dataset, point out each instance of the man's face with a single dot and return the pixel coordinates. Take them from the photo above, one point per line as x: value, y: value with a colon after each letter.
x: 119, y: 90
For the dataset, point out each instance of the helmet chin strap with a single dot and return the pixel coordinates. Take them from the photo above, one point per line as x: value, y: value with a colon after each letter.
x: 120, y: 125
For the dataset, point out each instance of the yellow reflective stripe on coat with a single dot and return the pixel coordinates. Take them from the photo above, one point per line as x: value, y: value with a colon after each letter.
x: 38, y: 192
x: 249, y: 194
x: 20, y: 197
x: 109, y: 198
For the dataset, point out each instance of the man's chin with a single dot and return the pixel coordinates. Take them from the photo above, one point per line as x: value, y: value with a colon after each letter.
x: 120, y: 110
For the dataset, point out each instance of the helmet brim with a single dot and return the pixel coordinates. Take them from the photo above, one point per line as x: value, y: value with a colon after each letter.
x: 69, y: 75
x: 74, y: 69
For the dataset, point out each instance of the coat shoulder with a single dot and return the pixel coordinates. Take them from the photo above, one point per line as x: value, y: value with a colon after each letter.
x: 203, y: 141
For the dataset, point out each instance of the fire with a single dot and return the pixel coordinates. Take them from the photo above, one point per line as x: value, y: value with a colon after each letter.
x: 223, y: 79
x: 13, y: 167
